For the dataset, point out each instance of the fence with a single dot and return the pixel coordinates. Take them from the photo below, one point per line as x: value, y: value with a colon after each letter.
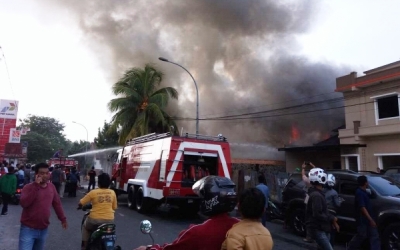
x: 246, y: 176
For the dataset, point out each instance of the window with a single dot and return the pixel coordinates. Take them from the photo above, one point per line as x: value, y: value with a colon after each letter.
x: 352, y: 162
x: 385, y: 186
x: 388, y: 107
x: 348, y: 188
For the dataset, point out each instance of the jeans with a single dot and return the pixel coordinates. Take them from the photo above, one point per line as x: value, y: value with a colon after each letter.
x: 31, y: 239
x: 6, y: 200
x: 322, y: 238
x: 264, y: 219
x: 57, y: 186
x: 364, y: 232
x: 91, y: 184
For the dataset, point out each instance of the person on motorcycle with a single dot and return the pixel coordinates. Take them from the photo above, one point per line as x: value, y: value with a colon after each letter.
x: 218, y: 199
x: 104, y: 204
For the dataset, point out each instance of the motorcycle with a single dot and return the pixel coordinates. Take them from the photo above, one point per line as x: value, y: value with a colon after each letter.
x: 104, y: 237
x: 273, y: 212
x: 17, y: 196
x: 145, y: 228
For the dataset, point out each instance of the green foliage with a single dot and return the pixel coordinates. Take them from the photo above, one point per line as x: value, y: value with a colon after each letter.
x: 140, y: 104
x: 106, y: 137
x: 39, y: 148
x: 44, y: 138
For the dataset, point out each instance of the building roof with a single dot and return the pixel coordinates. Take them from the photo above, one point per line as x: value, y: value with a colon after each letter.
x: 333, y: 142
x: 384, y: 67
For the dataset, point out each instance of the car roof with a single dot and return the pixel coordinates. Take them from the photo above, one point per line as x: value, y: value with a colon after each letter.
x: 346, y: 172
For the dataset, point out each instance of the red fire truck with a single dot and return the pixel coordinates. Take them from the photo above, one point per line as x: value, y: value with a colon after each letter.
x: 160, y: 169
x: 65, y: 161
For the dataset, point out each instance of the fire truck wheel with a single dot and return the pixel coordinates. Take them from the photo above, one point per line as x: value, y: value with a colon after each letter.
x: 131, y: 198
x: 140, y: 203
x: 143, y: 204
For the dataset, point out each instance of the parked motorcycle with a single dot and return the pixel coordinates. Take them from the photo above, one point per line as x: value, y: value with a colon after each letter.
x: 145, y: 228
x: 273, y: 212
x: 104, y: 237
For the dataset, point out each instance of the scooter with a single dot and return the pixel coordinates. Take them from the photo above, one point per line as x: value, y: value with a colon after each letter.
x: 145, y: 228
x: 104, y: 237
x: 273, y: 212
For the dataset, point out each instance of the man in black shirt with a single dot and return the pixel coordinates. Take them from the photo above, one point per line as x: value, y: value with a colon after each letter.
x: 92, y: 180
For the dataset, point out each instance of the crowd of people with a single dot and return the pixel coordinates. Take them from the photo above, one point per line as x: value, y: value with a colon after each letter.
x: 322, y: 202
x: 219, y: 198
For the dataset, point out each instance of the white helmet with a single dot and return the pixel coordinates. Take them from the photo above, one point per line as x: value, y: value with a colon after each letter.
x: 317, y: 175
x: 331, y: 180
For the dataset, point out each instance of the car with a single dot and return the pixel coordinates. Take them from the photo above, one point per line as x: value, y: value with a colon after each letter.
x: 385, y: 199
x: 393, y: 172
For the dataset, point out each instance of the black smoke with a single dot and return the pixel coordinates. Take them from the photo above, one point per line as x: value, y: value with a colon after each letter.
x: 243, y: 55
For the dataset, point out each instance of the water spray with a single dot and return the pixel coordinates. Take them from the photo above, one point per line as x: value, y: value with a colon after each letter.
x: 93, y: 152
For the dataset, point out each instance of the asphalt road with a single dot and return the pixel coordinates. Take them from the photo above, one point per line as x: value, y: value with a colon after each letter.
x: 166, y: 227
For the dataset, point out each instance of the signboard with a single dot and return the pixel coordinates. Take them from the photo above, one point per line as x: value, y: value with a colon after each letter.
x: 13, y: 150
x: 15, y: 136
x: 24, y: 130
x: 8, y: 109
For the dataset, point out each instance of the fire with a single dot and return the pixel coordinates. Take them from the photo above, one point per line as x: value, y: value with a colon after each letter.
x: 295, y: 134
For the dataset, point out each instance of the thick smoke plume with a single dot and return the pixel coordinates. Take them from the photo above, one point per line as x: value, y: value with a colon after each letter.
x: 243, y: 55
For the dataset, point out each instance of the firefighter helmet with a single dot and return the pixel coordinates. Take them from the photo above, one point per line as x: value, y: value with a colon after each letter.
x: 217, y: 193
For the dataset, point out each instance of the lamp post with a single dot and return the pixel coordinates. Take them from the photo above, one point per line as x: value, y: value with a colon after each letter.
x: 197, y: 91
x: 87, y: 138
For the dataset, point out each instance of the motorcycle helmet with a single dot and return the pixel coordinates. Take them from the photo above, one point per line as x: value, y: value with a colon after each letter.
x: 317, y: 175
x: 331, y: 180
x: 217, y: 193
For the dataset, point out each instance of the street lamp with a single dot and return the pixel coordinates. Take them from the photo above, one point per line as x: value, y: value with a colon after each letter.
x: 197, y: 91
x: 87, y: 139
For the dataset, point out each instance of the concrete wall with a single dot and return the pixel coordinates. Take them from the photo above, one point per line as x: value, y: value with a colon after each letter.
x: 381, y: 136
x: 322, y: 159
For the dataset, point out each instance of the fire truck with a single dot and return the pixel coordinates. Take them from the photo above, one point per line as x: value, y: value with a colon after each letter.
x: 65, y: 161
x: 158, y: 169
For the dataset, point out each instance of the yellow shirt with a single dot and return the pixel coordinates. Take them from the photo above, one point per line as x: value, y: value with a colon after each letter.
x: 248, y: 235
x: 104, y: 203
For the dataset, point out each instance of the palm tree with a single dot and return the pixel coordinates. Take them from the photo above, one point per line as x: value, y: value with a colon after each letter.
x: 140, y: 105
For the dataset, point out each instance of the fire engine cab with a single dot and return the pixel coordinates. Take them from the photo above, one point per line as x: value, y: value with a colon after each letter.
x: 160, y: 169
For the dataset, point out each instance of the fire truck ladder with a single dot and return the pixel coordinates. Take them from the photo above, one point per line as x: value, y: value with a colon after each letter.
x: 206, y: 137
x: 146, y: 138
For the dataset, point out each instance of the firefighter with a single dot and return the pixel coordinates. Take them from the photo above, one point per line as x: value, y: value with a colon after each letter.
x: 219, y: 198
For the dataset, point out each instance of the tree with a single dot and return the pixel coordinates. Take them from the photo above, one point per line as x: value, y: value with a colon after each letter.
x: 106, y: 137
x: 140, y: 105
x: 44, y: 138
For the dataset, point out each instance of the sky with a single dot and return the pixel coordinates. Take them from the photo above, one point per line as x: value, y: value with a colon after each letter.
x: 56, y: 69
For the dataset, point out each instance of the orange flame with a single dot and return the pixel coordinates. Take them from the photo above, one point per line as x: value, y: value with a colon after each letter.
x: 295, y: 134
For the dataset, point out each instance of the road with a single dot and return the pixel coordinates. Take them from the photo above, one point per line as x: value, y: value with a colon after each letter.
x: 166, y: 227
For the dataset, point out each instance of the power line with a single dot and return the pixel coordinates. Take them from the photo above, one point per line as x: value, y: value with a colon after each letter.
x: 287, y: 108
x: 9, y: 78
